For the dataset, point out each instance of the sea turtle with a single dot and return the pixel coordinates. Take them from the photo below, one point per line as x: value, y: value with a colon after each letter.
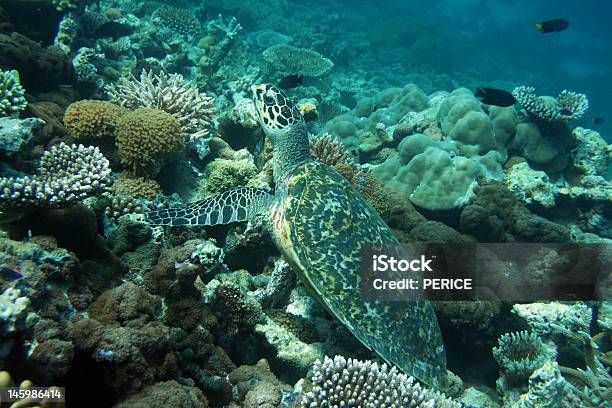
x: 319, y: 222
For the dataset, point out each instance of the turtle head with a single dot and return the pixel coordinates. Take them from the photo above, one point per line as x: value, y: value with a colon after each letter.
x: 275, y: 111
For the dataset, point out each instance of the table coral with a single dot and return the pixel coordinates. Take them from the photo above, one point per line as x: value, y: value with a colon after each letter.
x: 288, y: 60
x: 567, y: 106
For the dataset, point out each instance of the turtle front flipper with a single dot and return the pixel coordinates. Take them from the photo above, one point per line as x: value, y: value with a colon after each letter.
x: 240, y: 204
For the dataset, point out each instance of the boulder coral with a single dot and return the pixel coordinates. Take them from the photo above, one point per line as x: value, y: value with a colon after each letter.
x: 92, y: 119
x: 146, y: 139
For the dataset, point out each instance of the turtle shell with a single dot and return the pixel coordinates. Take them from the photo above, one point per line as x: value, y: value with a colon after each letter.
x: 321, y: 227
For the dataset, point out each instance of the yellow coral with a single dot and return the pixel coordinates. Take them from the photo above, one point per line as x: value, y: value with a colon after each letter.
x: 92, y: 119
x: 137, y: 187
x: 147, y: 137
x: 373, y: 190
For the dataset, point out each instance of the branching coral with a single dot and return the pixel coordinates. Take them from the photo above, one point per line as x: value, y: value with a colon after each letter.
x: 288, y: 60
x: 567, y: 106
x: 92, y: 119
x: 12, y: 101
x: 121, y: 205
x: 352, y: 383
x: 572, y: 323
x: 177, y: 20
x: 169, y: 93
x: 519, y: 354
x: 230, y: 28
x: 66, y: 174
x: 145, y: 138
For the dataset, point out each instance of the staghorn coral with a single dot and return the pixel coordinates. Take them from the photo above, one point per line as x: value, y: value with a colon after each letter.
x: 353, y: 383
x: 12, y: 101
x: 66, y: 174
x: 519, y: 354
x: 229, y: 28
x: 567, y: 106
x: 169, y: 93
x: 288, y: 60
x: 92, y: 119
x: 145, y: 138
x: 177, y: 20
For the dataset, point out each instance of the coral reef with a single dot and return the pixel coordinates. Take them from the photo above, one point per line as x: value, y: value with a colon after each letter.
x: 567, y: 106
x: 177, y: 20
x: 146, y: 138
x: 532, y: 186
x: 92, y: 119
x: 67, y: 174
x: 518, y: 355
x: 170, y: 93
x: 289, y: 60
x: 12, y: 101
x: 349, y: 382
x: 137, y: 187
x: 15, y: 135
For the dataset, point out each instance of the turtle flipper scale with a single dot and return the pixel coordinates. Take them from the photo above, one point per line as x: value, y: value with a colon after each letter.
x: 240, y: 204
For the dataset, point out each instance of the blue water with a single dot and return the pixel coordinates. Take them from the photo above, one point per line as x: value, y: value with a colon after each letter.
x: 483, y: 42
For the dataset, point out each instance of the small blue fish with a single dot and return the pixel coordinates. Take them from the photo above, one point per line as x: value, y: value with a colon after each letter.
x: 10, y: 273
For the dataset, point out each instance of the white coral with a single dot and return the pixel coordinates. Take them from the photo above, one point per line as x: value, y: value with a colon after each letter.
x: 169, y: 93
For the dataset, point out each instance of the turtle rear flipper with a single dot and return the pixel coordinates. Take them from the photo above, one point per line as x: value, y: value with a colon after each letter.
x: 240, y: 204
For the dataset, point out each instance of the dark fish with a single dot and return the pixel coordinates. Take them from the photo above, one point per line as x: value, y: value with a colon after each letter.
x: 114, y: 29
x: 290, y: 82
x: 598, y: 121
x: 497, y: 97
x: 552, y: 26
x: 9, y: 273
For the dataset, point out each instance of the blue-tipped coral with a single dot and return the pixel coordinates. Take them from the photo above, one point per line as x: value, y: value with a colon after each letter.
x: 12, y: 101
x: 353, y: 383
x: 67, y: 174
x: 567, y: 106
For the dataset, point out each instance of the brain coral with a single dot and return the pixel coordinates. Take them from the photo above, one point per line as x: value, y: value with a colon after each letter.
x: 145, y: 138
x: 92, y: 119
x: 289, y: 60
